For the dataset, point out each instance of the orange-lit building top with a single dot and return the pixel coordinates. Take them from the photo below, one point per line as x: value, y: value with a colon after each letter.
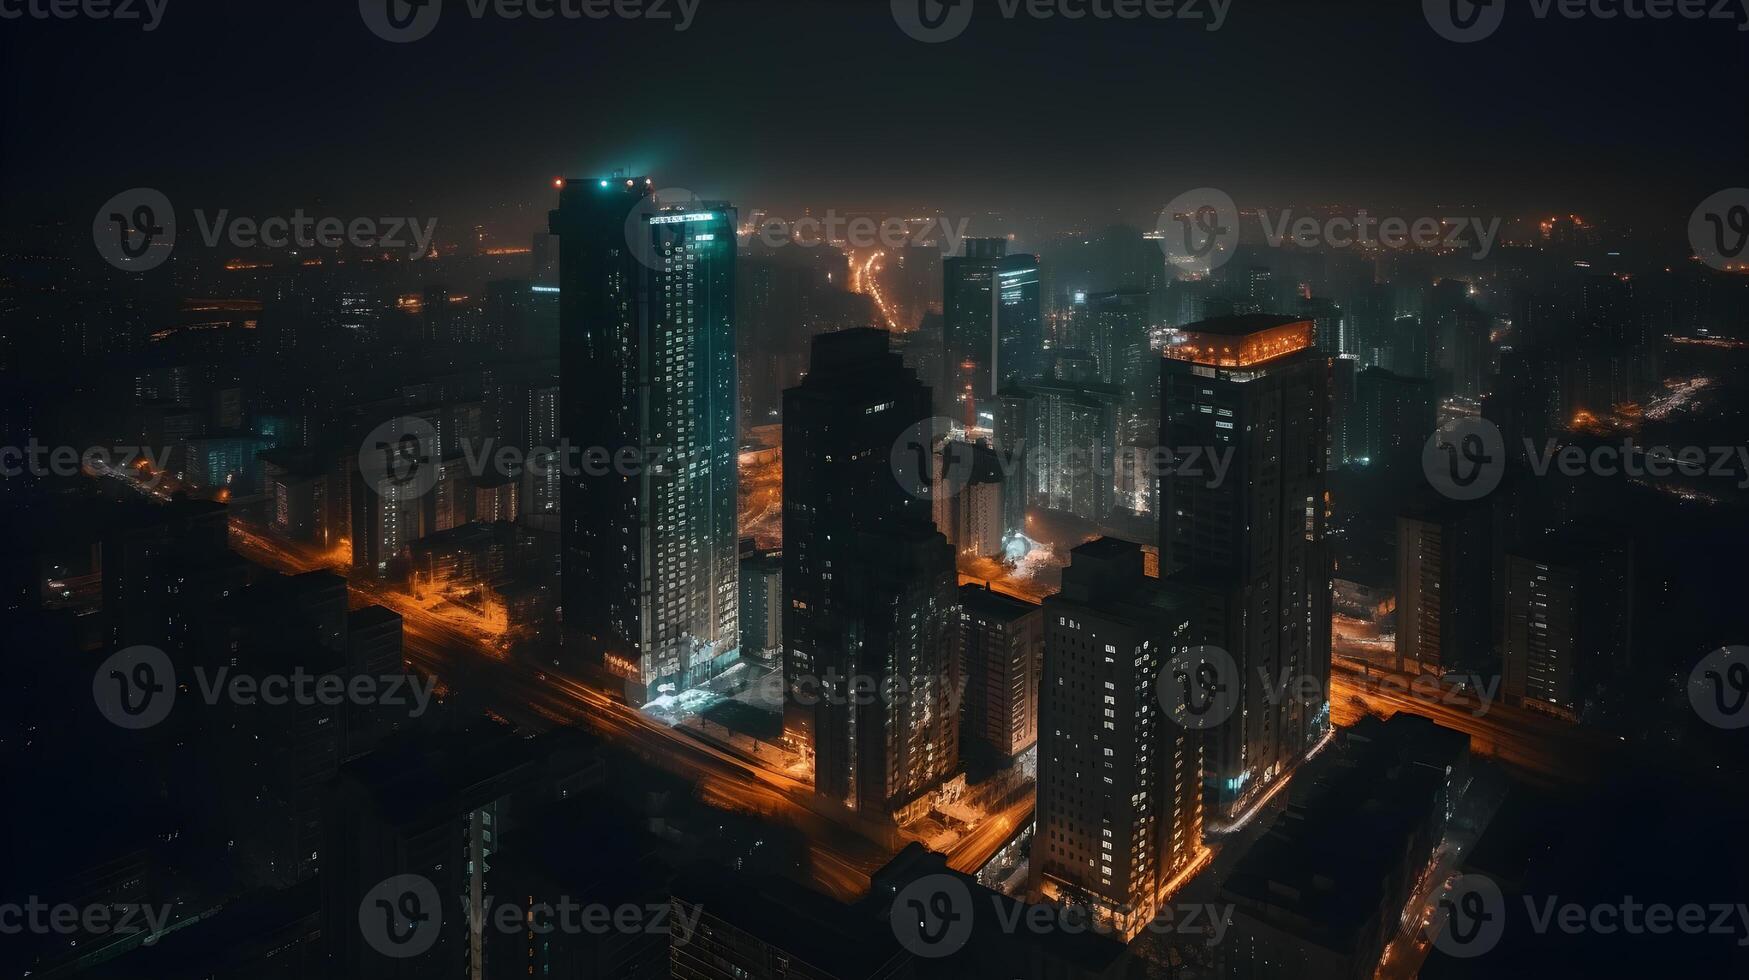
x: 1242, y: 341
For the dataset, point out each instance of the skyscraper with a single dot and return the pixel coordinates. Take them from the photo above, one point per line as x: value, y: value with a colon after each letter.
x: 886, y: 725
x: 1569, y: 618
x: 1119, y: 783
x: 1020, y: 327
x: 647, y: 355
x: 761, y: 603
x: 1001, y: 654
x: 1252, y: 544
x: 970, y: 301
x: 1443, y: 552
x: 1065, y: 431
x: 1394, y: 416
x: 1114, y: 328
x: 840, y: 426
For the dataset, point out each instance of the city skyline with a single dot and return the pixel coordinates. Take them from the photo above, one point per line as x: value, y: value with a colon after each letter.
x: 896, y: 490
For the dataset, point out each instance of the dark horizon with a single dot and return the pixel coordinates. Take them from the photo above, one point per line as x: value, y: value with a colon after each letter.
x: 833, y: 106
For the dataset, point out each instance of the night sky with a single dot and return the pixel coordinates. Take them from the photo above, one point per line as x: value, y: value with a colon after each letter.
x: 269, y: 105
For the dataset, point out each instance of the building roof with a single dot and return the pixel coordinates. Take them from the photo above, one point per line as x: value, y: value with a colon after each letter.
x: 982, y: 599
x: 836, y: 939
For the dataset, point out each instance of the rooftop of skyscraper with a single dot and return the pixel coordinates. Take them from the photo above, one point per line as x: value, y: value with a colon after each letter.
x: 1242, y: 341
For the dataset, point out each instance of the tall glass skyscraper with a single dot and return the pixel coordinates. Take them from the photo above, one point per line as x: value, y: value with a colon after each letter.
x: 1020, y: 323
x: 648, y: 391
x: 969, y: 311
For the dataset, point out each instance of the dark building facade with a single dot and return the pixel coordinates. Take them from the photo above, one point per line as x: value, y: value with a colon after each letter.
x: 1001, y: 655
x: 970, y: 307
x: 1251, y: 546
x: 842, y: 422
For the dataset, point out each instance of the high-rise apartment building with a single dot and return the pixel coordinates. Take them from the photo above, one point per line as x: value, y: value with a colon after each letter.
x: 647, y: 360
x: 1443, y: 561
x: 1020, y: 328
x: 1119, y: 782
x: 1394, y: 416
x: 886, y: 722
x: 841, y: 426
x: 1251, y: 544
x: 1001, y: 655
x: 1064, y: 430
x: 971, y: 302
x: 761, y: 603
x: 1569, y: 619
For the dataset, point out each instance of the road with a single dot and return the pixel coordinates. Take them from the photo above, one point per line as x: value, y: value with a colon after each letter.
x: 1535, y: 743
x: 468, y: 659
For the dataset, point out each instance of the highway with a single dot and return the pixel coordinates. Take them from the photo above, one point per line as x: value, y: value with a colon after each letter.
x: 1536, y: 743
x: 470, y: 660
